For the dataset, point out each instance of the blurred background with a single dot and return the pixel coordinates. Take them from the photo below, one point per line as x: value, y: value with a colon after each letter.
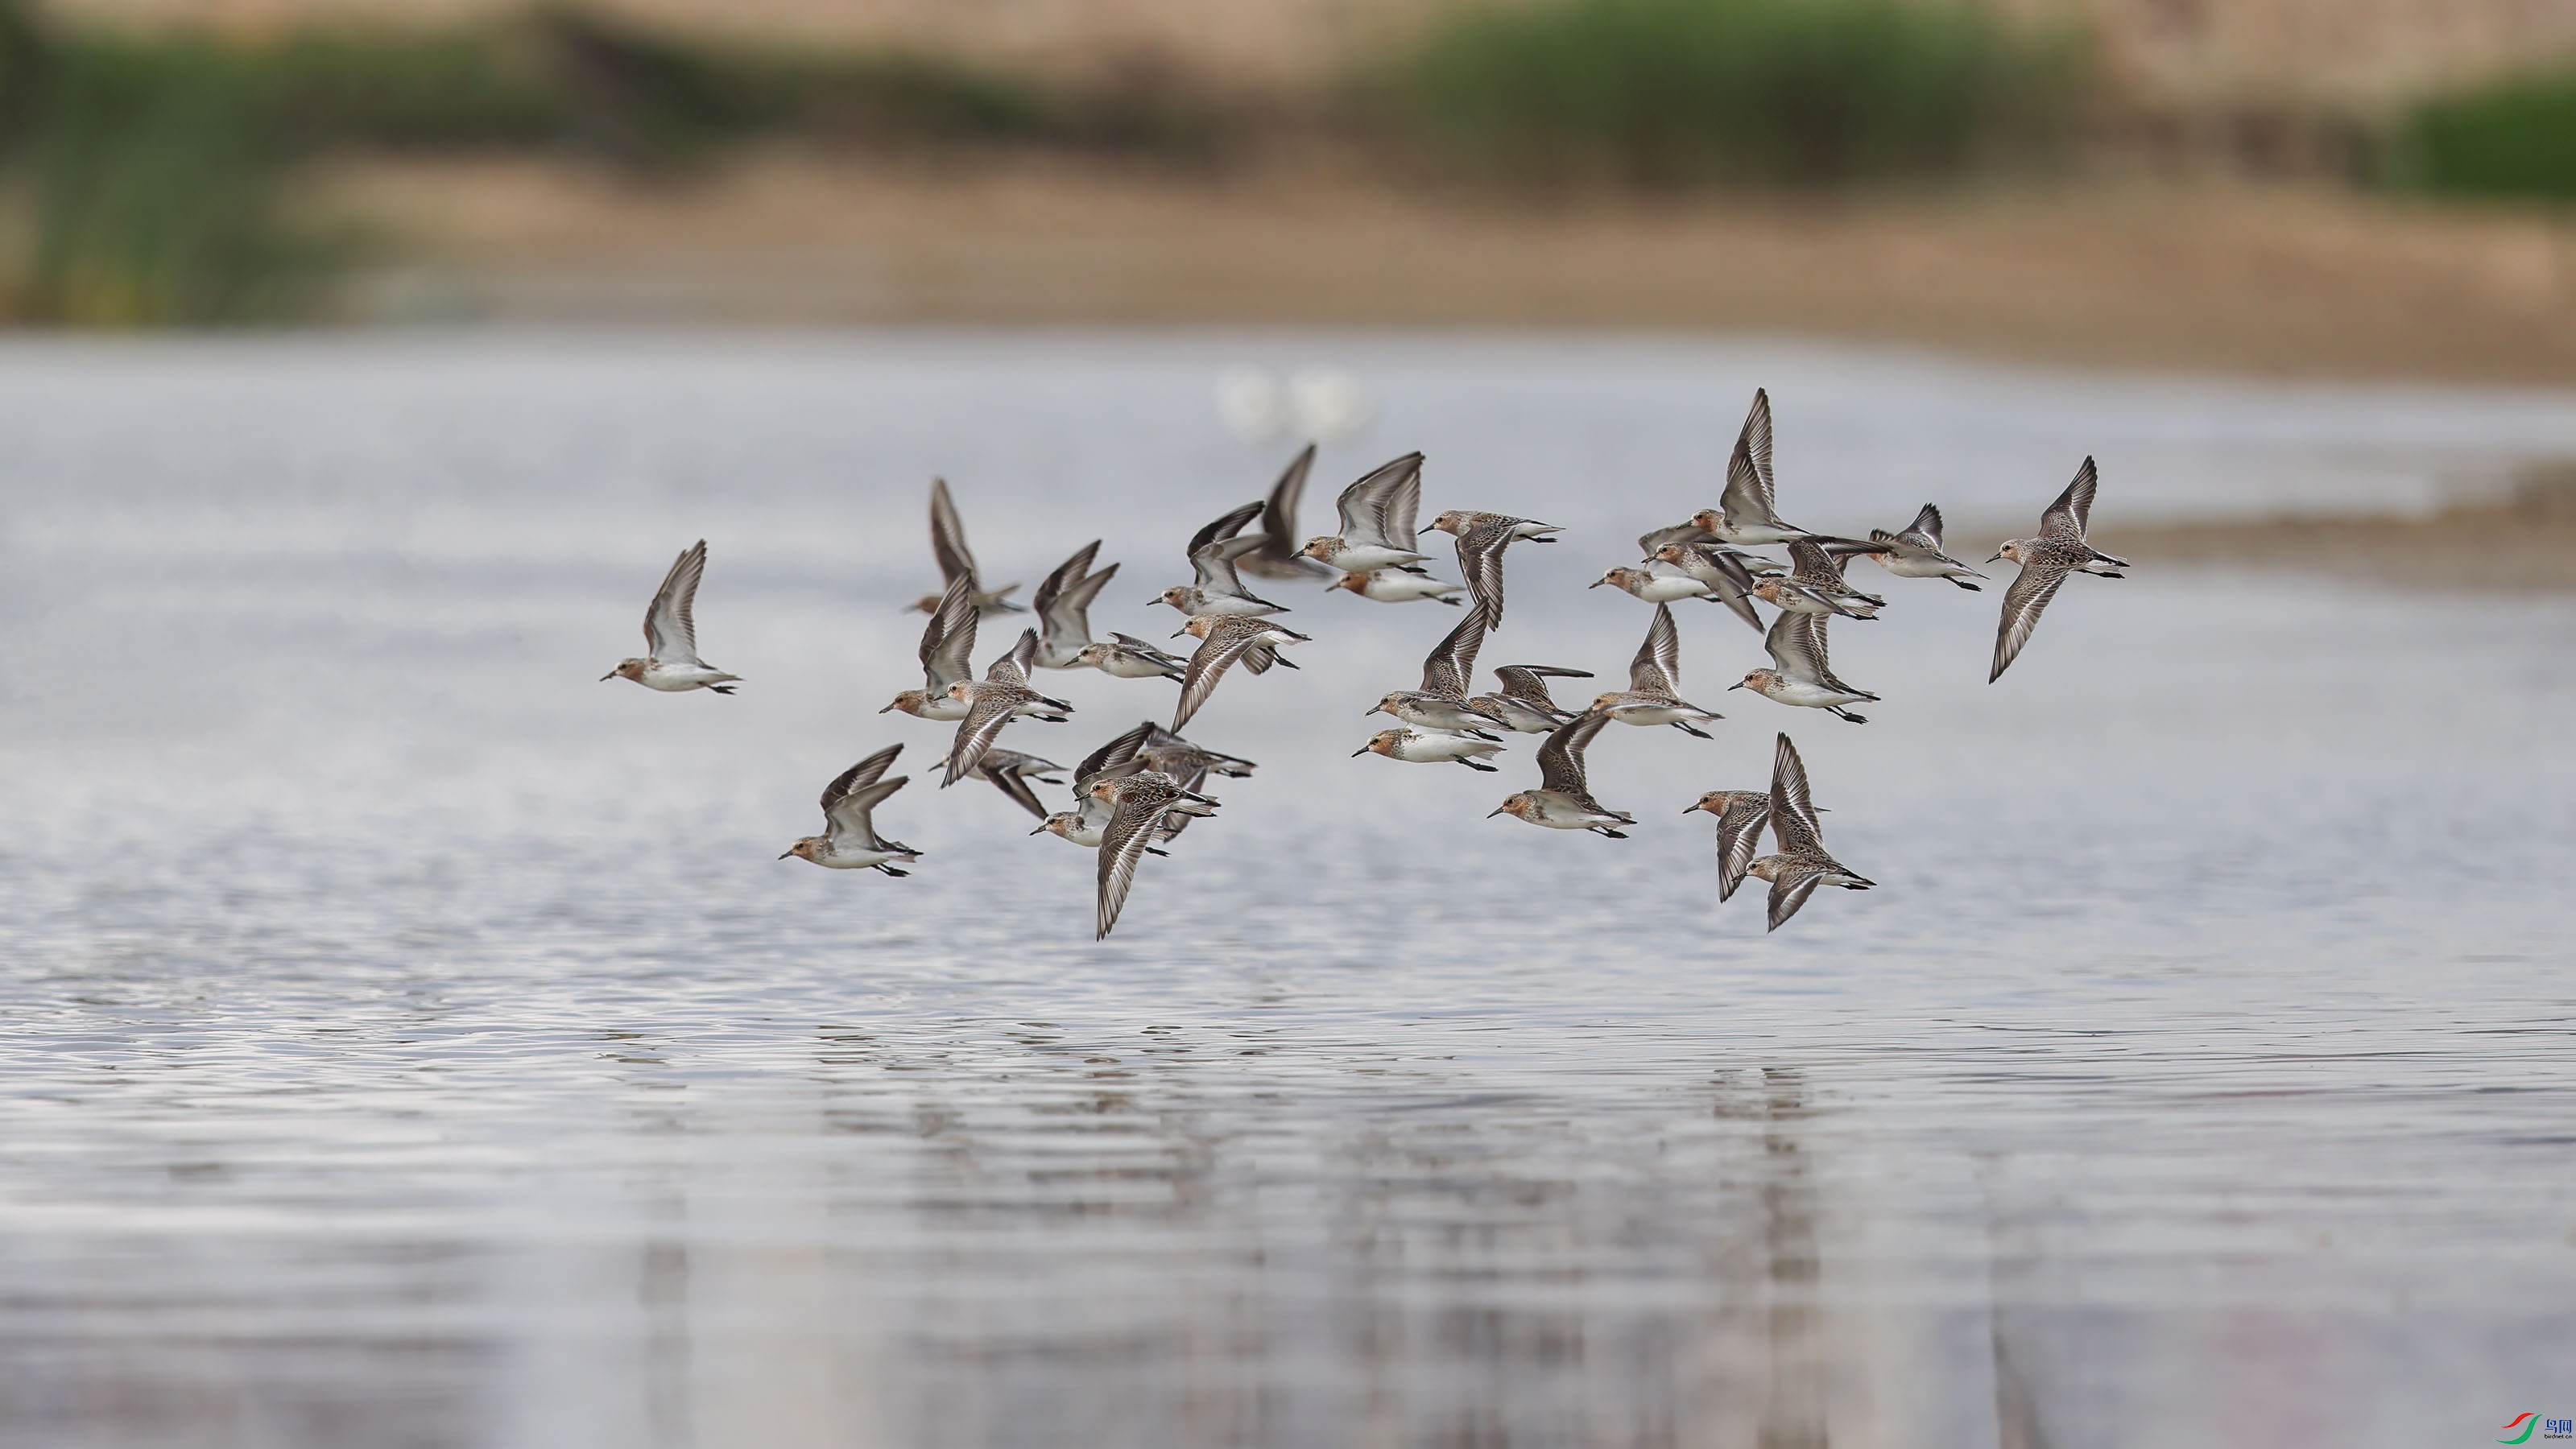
x: 2304, y: 185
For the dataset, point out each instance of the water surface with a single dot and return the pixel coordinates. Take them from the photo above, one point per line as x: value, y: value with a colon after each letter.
x: 407, y: 1040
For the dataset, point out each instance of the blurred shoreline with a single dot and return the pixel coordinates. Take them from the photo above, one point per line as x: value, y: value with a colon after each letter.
x: 2199, y: 275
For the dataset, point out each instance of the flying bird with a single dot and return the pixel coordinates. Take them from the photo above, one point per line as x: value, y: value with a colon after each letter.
x: 2060, y: 549
x: 1219, y: 589
x: 1399, y: 585
x: 1741, y: 814
x: 1523, y: 703
x: 1482, y: 537
x: 947, y: 644
x: 1002, y: 695
x: 1430, y: 747
x: 1223, y: 639
x: 1137, y: 804
x: 1916, y: 552
x: 1441, y: 702
x: 1801, y: 863
x: 1063, y: 606
x: 1277, y: 556
x: 956, y: 561
x: 1562, y: 801
x: 671, y: 663
x: 1800, y: 674
x: 1653, y: 695
x: 1377, y: 515
x: 849, y: 840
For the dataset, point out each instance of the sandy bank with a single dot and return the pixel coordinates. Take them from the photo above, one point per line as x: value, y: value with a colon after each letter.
x: 2193, y: 276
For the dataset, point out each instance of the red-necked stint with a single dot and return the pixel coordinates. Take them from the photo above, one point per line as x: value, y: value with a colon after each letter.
x: 1277, y: 557
x: 1657, y: 582
x: 1430, y: 747
x: 1009, y: 771
x: 947, y: 643
x: 1002, y: 695
x: 1138, y: 804
x: 1792, y: 597
x: 1741, y: 814
x: 1727, y: 573
x: 1916, y: 552
x: 1125, y: 656
x: 1801, y: 674
x: 671, y: 663
x: 1747, y: 513
x: 1219, y: 590
x: 1224, y: 638
x: 1377, y: 520
x: 956, y: 561
x: 849, y: 840
x: 1399, y: 585
x: 1801, y: 864
x: 1482, y: 537
x: 1654, y: 683
x: 2060, y: 549
x: 1562, y: 801
x: 1441, y: 702
x: 1821, y: 573
x: 1148, y: 746
x: 1064, y: 608
x: 1524, y: 705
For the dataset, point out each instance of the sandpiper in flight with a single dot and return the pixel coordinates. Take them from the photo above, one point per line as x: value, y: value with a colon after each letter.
x: 1741, y: 814
x: 671, y: 663
x: 1523, y: 703
x: 1801, y: 863
x: 1377, y: 515
x: 1562, y: 801
x: 1441, y: 702
x: 1654, y: 683
x: 947, y: 641
x: 2060, y: 549
x: 1801, y: 674
x: 1482, y: 537
x: 849, y: 840
x: 956, y: 561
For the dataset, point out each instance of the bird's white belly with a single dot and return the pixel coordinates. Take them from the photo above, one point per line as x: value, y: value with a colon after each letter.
x: 1371, y: 556
x: 1442, y: 749
x: 1809, y: 696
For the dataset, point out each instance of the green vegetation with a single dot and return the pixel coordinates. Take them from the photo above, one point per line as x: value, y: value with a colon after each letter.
x: 1769, y: 92
x: 156, y: 199
x: 2514, y: 137
x: 158, y: 167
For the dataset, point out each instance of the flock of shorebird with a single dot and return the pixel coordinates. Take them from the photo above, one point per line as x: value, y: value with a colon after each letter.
x: 1135, y: 794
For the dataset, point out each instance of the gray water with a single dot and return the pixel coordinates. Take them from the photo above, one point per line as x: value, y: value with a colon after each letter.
x: 407, y: 1040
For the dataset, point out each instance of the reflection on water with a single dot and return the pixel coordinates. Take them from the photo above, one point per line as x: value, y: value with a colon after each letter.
x: 410, y: 1041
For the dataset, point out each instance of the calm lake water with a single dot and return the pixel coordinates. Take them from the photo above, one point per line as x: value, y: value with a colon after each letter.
x: 407, y: 1040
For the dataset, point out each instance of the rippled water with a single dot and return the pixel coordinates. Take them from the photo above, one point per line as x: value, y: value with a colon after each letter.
x: 407, y: 1040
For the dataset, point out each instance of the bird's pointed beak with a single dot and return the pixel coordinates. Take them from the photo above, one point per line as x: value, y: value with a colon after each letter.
x: 1688, y: 809
x: 1362, y: 750
x: 1426, y: 528
x: 889, y: 709
x: 1041, y: 830
x: 782, y: 855
x: 612, y: 674
x: 1497, y: 810
x: 1998, y: 558
x: 1176, y: 633
x: 1739, y: 684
